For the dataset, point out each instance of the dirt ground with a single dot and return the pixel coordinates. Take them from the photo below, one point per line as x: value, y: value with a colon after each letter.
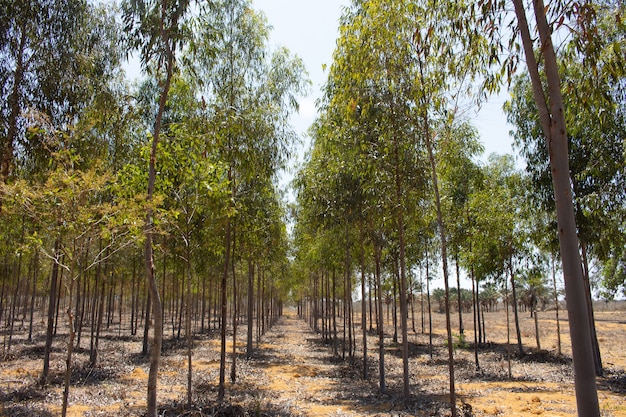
x: 294, y: 373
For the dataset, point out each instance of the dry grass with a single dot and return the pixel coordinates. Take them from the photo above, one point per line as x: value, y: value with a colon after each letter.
x: 293, y: 373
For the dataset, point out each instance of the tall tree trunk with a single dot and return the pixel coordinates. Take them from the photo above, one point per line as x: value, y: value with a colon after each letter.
x: 444, y: 248
x: 430, y: 310
x: 224, y: 312
x: 188, y: 324
x: 14, y: 300
x: 363, y: 305
x: 93, y: 354
x: 556, y: 306
x: 508, y: 327
x: 536, y: 314
x: 553, y: 125
x: 458, y: 292
x: 335, y: 337
x: 475, y: 308
x: 249, y: 346
x: 233, y: 369
x: 70, y: 347
x: 51, y: 309
x: 33, y: 295
x: 380, y: 326
x: 520, y: 347
x: 597, y: 357
x: 146, y: 328
x: 157, y: 306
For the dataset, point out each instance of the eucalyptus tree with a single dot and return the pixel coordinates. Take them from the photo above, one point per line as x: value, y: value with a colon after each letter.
x: 596, y: 156
x: 449, y: 55
x: 251, y: 94
x: 460, y: 176
x: 56, y: 56
x: 262, y: 229
x: 158, y: 29
x: 371, y: 80
x: 194, y: 189
x: 498, y: 242
x: 548, y: 97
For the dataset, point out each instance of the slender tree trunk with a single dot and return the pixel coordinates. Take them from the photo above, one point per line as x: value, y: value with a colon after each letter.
x: 14, y: 301
x: 70, y: 347
x: 475, y: 308
x: 34, y: 293
x: 553, y: 125
x: 224, y: 312
x: 536, y: 314
x: 556, y: 306
x: 146, y: 328
x: 249, y: 346
x: 51, y: 309
x: 58, y: 295
x: 93, y: 354
x: 380, y: 325
x: 458, y: 289
x: 597, y: 357
x: 188, y: 325
x: 395, y: 302
x: 430, y: 310
x: 520, y: 347
x: 508, y: 327
x: 157, y: 306
x: 444, y: 250
x: 335, y: 337
x: 363, y: 305
x: 233, y: 369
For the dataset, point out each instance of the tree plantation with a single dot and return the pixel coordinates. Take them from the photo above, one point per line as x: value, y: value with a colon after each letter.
x: 151, y: 264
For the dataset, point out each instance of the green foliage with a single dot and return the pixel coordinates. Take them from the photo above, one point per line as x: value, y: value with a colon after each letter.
x: 592, y: 79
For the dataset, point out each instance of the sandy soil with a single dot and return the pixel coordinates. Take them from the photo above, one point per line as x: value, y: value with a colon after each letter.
x: 294, y: 373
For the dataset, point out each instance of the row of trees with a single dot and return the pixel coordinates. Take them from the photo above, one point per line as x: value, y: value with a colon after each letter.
x: 393, y: 182
x: 183, y: 163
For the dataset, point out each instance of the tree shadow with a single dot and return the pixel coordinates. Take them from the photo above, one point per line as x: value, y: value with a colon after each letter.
x: 85, y: 374
x: 25, y: 393
x: 223, y: 409
x: 614, y: 380
x: 18, y: 410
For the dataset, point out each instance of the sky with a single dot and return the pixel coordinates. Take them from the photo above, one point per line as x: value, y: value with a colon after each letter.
x: 309, y: 29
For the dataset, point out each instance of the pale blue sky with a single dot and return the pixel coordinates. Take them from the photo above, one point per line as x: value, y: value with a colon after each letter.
x: 309, y: 29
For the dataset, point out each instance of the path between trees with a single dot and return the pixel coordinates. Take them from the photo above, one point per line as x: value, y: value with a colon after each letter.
x: 304, y: 378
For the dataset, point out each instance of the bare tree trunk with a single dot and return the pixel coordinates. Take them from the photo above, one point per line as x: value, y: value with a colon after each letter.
x: 188, y: 325
x: 335, y: 337
x: 458, y: 290
x: 34, y: 293
x: 363, y: 305
x: 380, y: 325
x: 249, y: 345
x: 70, y: 347
x: 475, y: 307
x: 556, y: 306
x: 597, y: 357
x: 430, y: 310
x: 157, y: 306
x: 553, y: 125
x: 51, y: 309
x: 508, y: 327
x: 444, y: 251
x: 233, y: 369
x: 224, y: 312
x: 520, y: 347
